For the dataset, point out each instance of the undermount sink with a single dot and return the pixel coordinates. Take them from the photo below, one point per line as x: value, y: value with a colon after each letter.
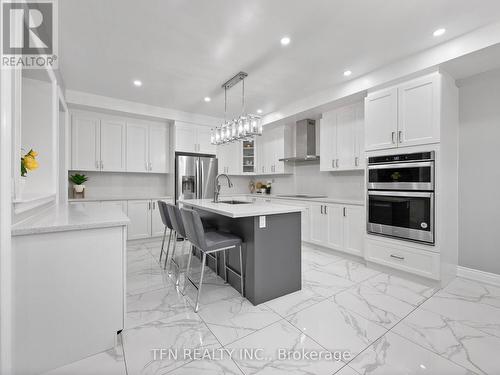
x: 235, y: 202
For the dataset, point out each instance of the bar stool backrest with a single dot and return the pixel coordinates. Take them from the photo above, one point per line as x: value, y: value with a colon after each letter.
x: 176, y: 219
x: 194, y: 228
x: 165, y: 218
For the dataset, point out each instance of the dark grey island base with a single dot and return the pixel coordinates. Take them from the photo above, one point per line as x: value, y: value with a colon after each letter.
x: 271, y: 255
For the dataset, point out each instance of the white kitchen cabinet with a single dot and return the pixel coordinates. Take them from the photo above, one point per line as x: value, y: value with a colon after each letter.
x: 274, y: 143
x: 158, y: 146
x: 139, y: 213
x: 335, y: 237
x: 337, y: 226
x: 353, y: 229
x: 319, y: 224
x: 406, y: 115
x: 122, y: 205
x: 85, y: 143
x: 419, y: 111
x: 341, y: 140
x: 229, y: 158
x: 193, y: 138
x: 113, y: 146
x: 147, y: 148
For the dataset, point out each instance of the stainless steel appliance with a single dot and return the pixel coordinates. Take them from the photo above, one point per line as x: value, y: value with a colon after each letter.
x: 305, y: 142
x: 194, y: 176
x: 400, y: 198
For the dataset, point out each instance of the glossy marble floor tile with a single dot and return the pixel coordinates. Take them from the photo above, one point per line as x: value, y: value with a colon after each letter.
x: 232, y: 319
x: 353, y: 271
x: 182, y: 331
x: 146, y: 281
x: 269, y: 341
x: 346, y: 370
x: 475, y: 313
x: 208, y: 367
x: 401, y: 289
x: 336, y: 328
x: 395, y: 355
x: 313, y: 257
x: 155, y: 305
x: 473, y: 291
x: 461, y: 344
x: 294, y: 302
x: 110, y: 362
x: 373, y: 304
x: 324, y: 282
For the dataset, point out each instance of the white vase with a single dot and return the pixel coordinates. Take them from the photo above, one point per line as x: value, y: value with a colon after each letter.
x: 20, y: 187
x: 78, y: 188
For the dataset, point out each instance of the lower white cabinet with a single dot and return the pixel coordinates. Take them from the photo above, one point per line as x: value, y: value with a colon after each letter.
x: 145, y: 219
x: 337, y: 226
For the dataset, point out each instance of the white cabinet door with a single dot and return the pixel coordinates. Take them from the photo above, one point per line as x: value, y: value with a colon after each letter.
x: 319, y: 224
x: 122, y: 205
x: 139, y: 213
x: 335, y: 226
x: 235, y: 155
x: 85, y: 143
x: 419, y: 109
x: 185, y: 137
x: 381, y: 119
x: 113, y: 146
x: 346, y: 122
x: 158, y: 149
x: 359, y: 135
x: 157, y: 226
x: 328, y: 141
x: 354, y: 229
x: 137, y: 147
x: 203, y: 141
x: 261, y: 145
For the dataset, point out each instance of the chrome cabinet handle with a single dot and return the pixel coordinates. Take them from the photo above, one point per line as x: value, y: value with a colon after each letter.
x: 333, y: 163
x: 102, y: 164
x: 337, y: 162
x: 321, y: 209
x: 393, y: 134
x: 344, y: 212
x: 400, y: 136
x: 397, y: 257
x: 326, y: 210
x: 154, y: 205
x: 96, y: 164
x: 149, y: 205
x: 356, y: 161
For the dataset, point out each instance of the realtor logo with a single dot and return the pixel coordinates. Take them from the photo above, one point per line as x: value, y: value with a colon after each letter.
x: 29, y: 31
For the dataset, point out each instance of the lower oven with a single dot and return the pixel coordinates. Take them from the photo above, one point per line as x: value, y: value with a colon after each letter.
x: 402, y: 214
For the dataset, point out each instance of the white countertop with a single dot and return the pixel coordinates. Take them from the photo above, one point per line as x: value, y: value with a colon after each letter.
x: 70, y: 217
x: 119, y: 198
x: 241, y: 210
x: 354, y: 202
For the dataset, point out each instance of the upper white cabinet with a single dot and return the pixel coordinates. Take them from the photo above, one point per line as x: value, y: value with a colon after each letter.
x: 406, y: 115
x: 97, y: 145
x: 106, y: 143
x: 274, y: 143
x: 193, y: 138
x: 342, y: 139
x: 229, y: 158
x: 147, y: 148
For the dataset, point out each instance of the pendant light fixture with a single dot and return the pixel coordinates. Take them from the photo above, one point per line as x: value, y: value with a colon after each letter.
x: 244, y: 127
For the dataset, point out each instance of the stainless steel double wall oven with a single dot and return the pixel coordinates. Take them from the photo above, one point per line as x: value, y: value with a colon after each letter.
x: 400, y: 200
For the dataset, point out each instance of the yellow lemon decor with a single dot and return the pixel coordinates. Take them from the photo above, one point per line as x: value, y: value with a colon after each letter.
x: 29, y: 162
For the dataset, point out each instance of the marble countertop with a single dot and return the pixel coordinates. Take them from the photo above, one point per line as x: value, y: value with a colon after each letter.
x: 241, y: 210
x: 119, y: 198
x: 354, y: 202
x: 70, y: 217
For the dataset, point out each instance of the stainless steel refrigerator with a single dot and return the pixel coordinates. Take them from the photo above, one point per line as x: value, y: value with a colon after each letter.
x: 194, y: 176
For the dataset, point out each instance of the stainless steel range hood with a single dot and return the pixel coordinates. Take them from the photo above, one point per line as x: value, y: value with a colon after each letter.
x: 305, y: 142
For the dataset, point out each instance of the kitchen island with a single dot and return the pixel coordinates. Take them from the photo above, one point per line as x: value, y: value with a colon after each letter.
x: 271, y: 236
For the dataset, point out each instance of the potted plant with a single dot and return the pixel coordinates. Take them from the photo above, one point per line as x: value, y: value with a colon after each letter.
x: 28, y: 163
x: 78, y: 181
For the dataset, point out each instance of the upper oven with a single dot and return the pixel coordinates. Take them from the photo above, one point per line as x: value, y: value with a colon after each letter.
x: 401, y: 172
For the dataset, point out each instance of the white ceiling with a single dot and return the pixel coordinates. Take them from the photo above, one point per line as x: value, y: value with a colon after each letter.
x: 184, y: 50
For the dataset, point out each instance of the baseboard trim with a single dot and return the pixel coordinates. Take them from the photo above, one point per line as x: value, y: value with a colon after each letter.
x: 477, y: 275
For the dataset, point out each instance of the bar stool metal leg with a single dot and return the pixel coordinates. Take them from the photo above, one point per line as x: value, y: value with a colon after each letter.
x: 225, y: 267
x: 173, y: 250
x: 201, y: 281
x: 163, y: 243
x: 241, y: 273
x: 188, y: 269
x: 168, y: 247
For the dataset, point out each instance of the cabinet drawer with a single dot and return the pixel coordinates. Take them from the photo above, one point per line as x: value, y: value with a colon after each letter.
x: 419, y: 262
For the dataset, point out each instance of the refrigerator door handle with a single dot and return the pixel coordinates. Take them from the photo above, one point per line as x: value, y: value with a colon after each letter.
x: 198, y: 166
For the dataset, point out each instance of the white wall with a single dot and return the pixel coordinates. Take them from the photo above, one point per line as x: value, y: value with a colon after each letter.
x: 126, y: 185
x: 479, y: 172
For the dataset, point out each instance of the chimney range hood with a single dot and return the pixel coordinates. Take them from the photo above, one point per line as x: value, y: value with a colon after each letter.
x: 305, y: 142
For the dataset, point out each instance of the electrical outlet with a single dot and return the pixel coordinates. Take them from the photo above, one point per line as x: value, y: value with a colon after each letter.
x: 262, y: 221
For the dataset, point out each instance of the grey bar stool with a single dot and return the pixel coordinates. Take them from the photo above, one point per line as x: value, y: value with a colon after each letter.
x: 178, y: 225
x: 165, y: 218
x: 208, y: 243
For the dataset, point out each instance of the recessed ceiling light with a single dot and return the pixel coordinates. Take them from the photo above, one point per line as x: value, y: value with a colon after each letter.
x: 259, y: 111
x: 347, y: 73
x: 137, y: 83
x: 207, y: 98
x: 439, y: 32
x: 285, y: 41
